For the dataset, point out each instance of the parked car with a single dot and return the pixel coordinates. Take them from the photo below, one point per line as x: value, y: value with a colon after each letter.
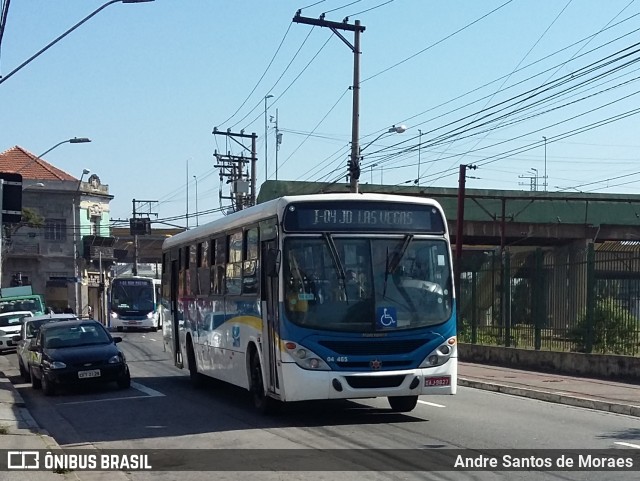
x: 10, y: 324
x: 28, y: 332
x: 76, y: 352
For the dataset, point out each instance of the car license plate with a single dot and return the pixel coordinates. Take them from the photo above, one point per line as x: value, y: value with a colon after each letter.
x: 88, y: 374
x: 437, y: 381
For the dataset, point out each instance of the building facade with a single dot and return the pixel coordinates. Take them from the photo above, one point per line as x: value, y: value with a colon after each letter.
x: 62, y: 247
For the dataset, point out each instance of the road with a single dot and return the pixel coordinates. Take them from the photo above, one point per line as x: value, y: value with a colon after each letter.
x: 163, y: 410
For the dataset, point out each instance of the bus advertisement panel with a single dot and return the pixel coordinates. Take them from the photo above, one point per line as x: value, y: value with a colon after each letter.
x: 331, y: 296
x: 134, y: 303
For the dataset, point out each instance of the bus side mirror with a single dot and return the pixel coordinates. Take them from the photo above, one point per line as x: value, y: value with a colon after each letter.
x: 272, y: 262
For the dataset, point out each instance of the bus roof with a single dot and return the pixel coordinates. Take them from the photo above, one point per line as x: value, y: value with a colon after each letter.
x: 272, y: 207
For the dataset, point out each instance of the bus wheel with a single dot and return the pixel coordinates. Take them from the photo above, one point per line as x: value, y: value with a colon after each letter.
x: 263, y: 403
x: 403, y: 404
x: 194, y: 375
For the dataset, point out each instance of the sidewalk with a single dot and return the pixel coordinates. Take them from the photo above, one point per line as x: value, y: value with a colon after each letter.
x: 19, y: 431
x: 602, y: 395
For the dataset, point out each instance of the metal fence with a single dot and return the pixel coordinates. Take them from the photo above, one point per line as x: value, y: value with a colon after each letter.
x: 570, y: 298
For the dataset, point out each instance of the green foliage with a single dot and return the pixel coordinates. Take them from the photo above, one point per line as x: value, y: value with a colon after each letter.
x: 614, y: 331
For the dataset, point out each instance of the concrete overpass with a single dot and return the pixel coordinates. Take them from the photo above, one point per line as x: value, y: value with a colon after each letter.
x: 492, y: 218
x: 507, y: 217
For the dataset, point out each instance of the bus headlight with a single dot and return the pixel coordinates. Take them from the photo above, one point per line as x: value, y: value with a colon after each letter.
x: 151, y: 315
x: 305, y: 358
x: 441, y: 354
x: 114, y: 315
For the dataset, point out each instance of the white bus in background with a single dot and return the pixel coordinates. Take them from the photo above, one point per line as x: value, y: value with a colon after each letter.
x: 134, y: 302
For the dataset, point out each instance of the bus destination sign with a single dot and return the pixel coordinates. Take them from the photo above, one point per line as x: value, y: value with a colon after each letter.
x: 132, y: 282
x: 363, y: 217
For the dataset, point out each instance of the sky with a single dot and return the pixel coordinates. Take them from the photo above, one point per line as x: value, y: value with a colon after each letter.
x: 518, y: 88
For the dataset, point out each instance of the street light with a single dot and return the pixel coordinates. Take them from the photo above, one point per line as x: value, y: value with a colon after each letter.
x: 44, y: 49
x: 76, y: 272
x: 397, y: 129
x: 266, y: 165
x: 195, y: 177
x: 75, y: 140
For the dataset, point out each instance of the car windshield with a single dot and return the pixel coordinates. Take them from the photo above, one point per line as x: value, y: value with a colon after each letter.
x: 74, y: 336
x: 32, y: 327
x: 11, y: 320
x: 367, y: 285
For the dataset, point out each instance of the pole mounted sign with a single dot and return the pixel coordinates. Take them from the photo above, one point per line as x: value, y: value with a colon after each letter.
x: 11, y: 197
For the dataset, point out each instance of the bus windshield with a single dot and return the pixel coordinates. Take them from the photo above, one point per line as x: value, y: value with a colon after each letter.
x: 359, y: 284
x: 133, y: 296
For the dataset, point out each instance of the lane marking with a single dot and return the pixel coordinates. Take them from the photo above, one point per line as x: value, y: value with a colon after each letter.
x: 431, y: 404
x: 629, y: 445
x: 147, y: 390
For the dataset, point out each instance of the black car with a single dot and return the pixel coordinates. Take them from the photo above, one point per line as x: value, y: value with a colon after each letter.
x: 77, y: 352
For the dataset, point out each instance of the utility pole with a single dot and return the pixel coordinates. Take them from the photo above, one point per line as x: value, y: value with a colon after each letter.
x: 278, y: 141
x: 462, y: 179
x: 233, y: 167
x: 354, y: 162
x: 545, y: 163
x: 140, y: 224
x: 533, y: 180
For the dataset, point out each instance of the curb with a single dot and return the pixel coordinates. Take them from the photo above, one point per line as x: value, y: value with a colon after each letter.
x: 587, y: 403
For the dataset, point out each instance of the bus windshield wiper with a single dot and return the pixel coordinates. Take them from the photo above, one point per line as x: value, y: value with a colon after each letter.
x: 393, y: 263
x: 337, y: 263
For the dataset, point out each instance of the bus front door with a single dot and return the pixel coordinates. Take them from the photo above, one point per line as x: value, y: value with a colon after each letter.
x: 270, y: 321
x: 175, y: 316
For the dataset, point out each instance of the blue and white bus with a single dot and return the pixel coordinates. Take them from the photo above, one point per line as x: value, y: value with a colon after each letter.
x: 327, y: 296
x: 134, y: 302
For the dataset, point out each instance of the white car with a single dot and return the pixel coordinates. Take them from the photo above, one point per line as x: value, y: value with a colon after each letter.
x: 27, y: 335
x: 10, y: 325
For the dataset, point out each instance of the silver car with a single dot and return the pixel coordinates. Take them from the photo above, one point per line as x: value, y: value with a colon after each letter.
x: 27, y: 336
x: 10, y: 324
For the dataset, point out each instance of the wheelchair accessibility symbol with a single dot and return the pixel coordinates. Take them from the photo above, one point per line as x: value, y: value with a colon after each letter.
x: 386, y: 317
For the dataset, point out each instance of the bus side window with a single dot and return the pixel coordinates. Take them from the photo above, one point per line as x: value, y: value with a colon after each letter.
x: 250, y: 274
x: 218, y: 262
x: 233, y: 279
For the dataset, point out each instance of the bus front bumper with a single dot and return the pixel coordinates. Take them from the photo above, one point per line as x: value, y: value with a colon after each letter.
x: 305, y: 385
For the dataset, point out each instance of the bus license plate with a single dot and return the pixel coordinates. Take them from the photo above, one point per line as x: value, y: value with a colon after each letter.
x: 88, y: 374
x: 437, y: 381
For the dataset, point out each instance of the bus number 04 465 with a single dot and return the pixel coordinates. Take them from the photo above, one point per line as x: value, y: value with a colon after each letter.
x: 338, y: 359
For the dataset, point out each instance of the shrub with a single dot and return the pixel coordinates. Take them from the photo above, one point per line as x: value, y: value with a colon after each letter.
x: 615, y: 329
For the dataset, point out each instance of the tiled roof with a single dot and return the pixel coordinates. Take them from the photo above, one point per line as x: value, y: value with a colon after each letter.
x: 18, y: 160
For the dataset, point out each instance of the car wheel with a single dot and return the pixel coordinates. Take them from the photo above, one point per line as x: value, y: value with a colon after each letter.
x: 47, y: 386
x: 24, y: 373
x: 35, y: 382
x: 125, y: 381
x: 403, y: 404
